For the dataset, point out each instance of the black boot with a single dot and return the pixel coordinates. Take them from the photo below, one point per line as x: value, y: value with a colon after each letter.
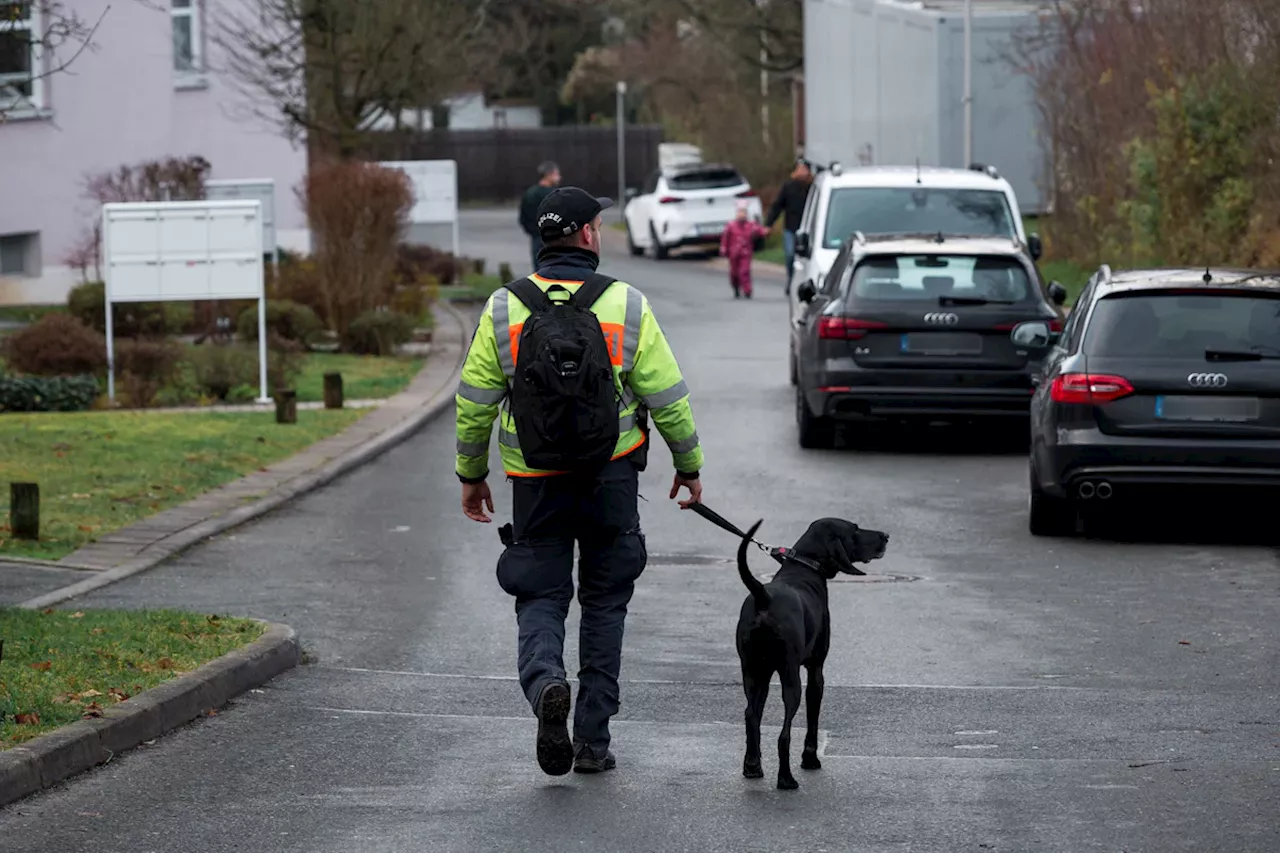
x: 555, y: 749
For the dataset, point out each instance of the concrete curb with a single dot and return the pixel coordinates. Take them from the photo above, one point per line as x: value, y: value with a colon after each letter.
x: 303, y: 483
x: 44, y: 761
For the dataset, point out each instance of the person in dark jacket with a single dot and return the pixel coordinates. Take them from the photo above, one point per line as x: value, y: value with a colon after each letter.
x: 548, y: 179
x: 790, y: 201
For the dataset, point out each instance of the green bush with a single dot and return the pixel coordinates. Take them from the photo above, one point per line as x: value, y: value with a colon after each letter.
x: 87, y: 303
x: 289, y: 320
x: 144, y: 368
x: 58, y: 345
x: 378, y: 333
x: 47, y: 394
x: 220, y: 370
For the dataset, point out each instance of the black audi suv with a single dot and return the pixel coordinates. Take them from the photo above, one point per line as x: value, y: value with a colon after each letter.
x: 916, y: 327
x: 1160, y: 378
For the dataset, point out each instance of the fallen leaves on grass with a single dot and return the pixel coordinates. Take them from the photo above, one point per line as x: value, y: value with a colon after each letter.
x: 27, y: 719
x: 93, y: 709
x: 43, y: 666
x: 79, y: 614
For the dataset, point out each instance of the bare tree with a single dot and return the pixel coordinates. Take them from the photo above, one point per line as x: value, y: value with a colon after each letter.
x: 331, y: 69
x: 37, y: 41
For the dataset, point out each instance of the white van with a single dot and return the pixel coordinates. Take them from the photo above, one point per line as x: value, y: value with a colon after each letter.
x: 906, y: 200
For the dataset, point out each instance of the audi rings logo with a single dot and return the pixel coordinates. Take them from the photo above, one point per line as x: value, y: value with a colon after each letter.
x: 942, y: 319
x: 1207, y: 380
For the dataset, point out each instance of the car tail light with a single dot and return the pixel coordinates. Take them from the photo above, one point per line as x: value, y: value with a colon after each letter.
x: 1055, y: 325
x: 846, y: 328
x: 748, y: 194
x: 670, y: 199
x: 1088, y: 388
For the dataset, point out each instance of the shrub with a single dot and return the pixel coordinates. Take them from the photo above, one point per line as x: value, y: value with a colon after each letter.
x: 287, y: 320
x: 58, y: 345
x: 378, y: 333
x: 297, y: 281
x: 87, y: 303
x: 144, y: 368
x: 357, y: 212
x: 416, y: 260
x: 219, y: 370
x: 47, y: 394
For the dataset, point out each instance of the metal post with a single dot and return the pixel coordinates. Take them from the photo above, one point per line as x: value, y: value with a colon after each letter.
x: 622, y: 147
x: 262, y: 350
x: 111, y: 347
x: 968, y: 83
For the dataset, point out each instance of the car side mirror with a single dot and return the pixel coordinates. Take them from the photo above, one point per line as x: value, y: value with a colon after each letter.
x: 1034, y: 246
x: 804, y: 245
x: 631, y: 192
x: 1057, y: 293
x: 1033, y: 334
x: 806, y: 292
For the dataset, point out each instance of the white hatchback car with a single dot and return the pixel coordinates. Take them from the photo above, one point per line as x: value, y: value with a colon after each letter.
x: 901, y: 200
x: 686, y: 205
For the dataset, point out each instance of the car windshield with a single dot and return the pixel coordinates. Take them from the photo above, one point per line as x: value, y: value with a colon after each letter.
x: 921, y: 278
x: 705, y: 179
x: 1172, y: 325
x: 916, y: 210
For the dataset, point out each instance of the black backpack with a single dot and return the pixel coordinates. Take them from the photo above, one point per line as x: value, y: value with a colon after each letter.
x: 563, y: 398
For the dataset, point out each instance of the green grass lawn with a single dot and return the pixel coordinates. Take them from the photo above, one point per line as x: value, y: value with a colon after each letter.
x: 61, y: 666
x: 364, y: 377
x: 475, y: 287
x: 29, y: 313
x: 99, y: 471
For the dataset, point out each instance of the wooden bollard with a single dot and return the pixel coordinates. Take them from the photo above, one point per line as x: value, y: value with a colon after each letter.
x: 24, y: 510
x: 504, y: 271
x: 477, y: 266
x: 286, y: 406
x: 333, y: 391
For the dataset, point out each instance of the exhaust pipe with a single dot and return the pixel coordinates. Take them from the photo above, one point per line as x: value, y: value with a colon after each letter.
x: 1085, y: 490
x: 1103, y: 491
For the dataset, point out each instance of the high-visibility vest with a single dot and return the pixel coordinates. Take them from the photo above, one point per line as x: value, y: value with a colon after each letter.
x: 644, y: 370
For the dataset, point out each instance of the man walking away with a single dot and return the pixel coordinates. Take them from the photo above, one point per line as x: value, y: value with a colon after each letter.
x: 548, y: 179
x: 791, y: 200
x: 580, y: 361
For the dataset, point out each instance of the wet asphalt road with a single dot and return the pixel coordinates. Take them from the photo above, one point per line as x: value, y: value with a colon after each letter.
x: 986, y: 692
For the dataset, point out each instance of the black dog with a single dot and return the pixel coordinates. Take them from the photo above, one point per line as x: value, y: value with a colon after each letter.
x: 786, y: 624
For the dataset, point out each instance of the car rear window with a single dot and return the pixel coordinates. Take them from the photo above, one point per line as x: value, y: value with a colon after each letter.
x: 705, y: 179
x: 923, y: 278
x: 917, y: 210
x: 1168, y: 325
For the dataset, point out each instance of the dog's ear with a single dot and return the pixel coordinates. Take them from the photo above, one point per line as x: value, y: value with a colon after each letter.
x: 842, y: 555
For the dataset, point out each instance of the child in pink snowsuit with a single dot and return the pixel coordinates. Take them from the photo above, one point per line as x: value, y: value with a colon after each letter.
x: 738, y: 245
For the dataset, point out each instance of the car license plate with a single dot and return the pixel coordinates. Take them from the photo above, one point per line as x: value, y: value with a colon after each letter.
x: 1214, y: 409
x: 941, y: 343
x: 711, y: 228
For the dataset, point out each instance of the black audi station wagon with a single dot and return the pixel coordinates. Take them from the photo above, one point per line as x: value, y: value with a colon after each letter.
x: 1160, y: 378
x: 917, y: 327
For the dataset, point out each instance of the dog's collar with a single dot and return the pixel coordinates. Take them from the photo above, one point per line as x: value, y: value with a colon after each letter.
x: 784, y: 554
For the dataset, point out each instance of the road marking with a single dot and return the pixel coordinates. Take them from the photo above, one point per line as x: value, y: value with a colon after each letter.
x: 976, y: 732
x: 673, y: 682
x: 976, y: 746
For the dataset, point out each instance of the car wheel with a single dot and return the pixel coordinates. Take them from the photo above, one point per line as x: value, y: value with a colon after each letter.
x: 635, y: 250
x: 660, y: 252
x: 815, y: 433
x: 1049, y: 516
x: 795, y: 374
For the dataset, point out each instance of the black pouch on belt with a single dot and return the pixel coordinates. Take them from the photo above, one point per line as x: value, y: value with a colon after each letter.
x: 506, y: 535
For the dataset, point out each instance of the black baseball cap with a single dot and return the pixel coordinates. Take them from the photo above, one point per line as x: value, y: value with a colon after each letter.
x: 566, y: 209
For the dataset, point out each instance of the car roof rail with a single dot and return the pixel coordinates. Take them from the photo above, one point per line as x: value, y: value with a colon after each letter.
x: 985, y: 169
x: 1104, y: 274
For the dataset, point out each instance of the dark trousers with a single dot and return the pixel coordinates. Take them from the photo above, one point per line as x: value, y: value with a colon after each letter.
x: 550, y: 515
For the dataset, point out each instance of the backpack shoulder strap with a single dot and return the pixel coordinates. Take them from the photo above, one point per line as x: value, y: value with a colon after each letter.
x: 530, y: 294
x: 591, y: 290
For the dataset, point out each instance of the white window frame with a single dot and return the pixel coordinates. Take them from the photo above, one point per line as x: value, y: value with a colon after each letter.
x: 194, y: 74
x: 32, y: 25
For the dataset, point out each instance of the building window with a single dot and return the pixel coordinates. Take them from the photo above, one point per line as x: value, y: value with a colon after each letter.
x: 188, y: 50
x: 20, y: 254
x: 19, y: 55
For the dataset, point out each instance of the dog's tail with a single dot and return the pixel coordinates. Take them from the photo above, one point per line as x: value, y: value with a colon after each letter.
x: 758, y: 592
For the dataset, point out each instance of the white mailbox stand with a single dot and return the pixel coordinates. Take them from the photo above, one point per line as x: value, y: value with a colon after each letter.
x: 264, y: 190
x: 435, y: 193
x: 184, y: 251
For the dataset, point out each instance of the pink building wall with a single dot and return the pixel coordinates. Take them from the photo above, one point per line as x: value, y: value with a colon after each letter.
x: 120, y: 104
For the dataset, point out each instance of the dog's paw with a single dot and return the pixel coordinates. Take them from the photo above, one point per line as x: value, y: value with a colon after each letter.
x: 787, y: 783
x: 809, y: 761
x: 752, y: 770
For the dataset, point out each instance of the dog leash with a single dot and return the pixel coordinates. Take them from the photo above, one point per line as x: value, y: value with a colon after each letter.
x: 779, y: 554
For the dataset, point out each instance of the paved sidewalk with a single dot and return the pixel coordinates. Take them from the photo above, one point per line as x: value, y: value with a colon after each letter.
x: 151, y: 540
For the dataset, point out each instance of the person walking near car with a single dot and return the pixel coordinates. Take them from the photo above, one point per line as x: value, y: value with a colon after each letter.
x: 580, y: 362
x: 548, y: 179
x: 789, y: 203
x: 738, y: 244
